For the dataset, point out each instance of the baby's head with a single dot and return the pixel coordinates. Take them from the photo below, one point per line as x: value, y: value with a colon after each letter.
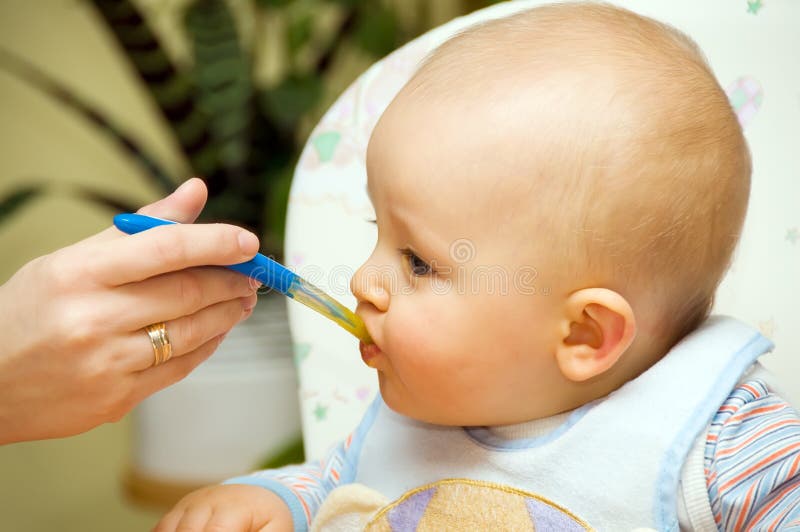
x: 558, y: 195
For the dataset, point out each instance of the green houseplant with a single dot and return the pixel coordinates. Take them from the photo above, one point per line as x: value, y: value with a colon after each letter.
x: 240, y: 132
x: 241, y: 137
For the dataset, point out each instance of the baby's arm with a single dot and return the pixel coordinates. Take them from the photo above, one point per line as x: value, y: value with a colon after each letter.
x: 273, y: 500
x: 303, y: 487
x: 752, y: 461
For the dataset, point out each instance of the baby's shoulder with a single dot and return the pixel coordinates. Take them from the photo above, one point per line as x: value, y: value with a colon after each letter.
x: 752, y: 455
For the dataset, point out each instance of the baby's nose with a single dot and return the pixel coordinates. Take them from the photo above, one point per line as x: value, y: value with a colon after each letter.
x: 368, y: 285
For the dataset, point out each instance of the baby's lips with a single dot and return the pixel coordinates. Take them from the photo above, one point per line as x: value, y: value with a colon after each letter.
x: 369, y: 353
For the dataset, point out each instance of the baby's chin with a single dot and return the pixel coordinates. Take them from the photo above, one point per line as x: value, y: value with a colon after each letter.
x: 422, y: 412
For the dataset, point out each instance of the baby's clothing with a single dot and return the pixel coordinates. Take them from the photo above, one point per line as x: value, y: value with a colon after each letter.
x: 659, y: 452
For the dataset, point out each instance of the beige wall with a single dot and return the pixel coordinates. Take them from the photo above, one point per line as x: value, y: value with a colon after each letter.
x: 42, y: 141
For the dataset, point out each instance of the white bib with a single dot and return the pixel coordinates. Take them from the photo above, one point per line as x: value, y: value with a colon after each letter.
x: 614, y: 465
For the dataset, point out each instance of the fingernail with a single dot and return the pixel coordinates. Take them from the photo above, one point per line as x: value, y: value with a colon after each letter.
x: 253, y: 285
x: 249, y: 302
x: 248, y: 243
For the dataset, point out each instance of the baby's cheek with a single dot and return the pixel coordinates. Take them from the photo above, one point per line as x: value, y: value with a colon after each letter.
x: 419, y: 341
x: 407, y: 337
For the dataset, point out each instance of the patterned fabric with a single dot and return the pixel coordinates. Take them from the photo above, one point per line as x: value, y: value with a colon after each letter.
x: 463, y: 504
x: 752, y: 461
x: 308, y: 483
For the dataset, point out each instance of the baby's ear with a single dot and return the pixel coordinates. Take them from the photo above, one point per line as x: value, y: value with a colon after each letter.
x: 597, y: 328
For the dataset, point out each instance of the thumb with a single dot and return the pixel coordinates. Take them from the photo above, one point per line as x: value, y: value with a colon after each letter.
x: 184, y: 205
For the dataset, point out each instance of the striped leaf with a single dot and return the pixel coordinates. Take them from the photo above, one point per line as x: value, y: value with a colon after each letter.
x: 112, y: 203
x: 171, y: 89
x: 16, y: 199
x: 222, y: 78
x: 25, y: 71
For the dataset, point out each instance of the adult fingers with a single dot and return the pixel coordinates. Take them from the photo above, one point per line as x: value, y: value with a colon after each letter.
x: 183, y: 205
x: 188, y: 333
x: 169, y: 248
x: 175, y: 294
x: 154, y: 379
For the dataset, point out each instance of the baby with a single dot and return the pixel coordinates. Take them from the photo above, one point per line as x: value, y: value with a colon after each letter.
x: 589, y: 149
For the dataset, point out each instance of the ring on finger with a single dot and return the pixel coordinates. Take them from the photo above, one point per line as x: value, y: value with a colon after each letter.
x: 162, y: 348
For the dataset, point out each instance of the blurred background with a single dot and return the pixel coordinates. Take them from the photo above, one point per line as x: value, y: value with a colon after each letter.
x: 108, y: 105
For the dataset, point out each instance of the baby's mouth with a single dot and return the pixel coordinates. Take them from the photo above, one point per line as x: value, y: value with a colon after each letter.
x: 369, y: 352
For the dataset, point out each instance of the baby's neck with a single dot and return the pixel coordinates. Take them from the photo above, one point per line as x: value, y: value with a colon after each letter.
x: 529, y: 429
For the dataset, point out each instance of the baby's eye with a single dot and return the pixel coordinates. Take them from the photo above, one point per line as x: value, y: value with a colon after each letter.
x: 419, y: 267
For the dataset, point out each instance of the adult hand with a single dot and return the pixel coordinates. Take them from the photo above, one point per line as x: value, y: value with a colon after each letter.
x: 74, y: 353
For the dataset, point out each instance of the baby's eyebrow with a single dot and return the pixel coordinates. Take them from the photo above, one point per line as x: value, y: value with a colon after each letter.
x: 421, y: 237
x: 408, y: 225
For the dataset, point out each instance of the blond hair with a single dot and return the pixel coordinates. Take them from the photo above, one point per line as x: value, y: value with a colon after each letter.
x: 656, y: 168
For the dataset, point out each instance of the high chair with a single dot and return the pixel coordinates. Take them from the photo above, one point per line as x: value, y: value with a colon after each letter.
x: 752, y: 46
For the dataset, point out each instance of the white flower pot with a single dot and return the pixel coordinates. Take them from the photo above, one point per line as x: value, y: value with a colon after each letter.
x: 234, y: 411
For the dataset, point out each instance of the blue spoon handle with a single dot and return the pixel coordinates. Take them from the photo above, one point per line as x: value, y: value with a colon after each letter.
x: 272, y: 275
x: 260, y: 267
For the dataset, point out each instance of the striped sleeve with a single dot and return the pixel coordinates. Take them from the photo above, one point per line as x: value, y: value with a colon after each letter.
x: 303, y: 487
x: 752, y: 461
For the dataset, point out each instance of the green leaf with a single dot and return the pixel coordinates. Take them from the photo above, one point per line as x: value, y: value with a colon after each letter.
x: 111, y: 203
x: 287, y: 103
x: 346, y: 3
x: 377, y: 31
x: 473, y: 5
x: 232, y: 205
x: 170, y: 88
x: 299, y: 32
x: 40, y: 80
x: 273, y: 3
x: 291, y: 453
x: 17, y: 199
x: 224, y: 91
x: 275, y: 215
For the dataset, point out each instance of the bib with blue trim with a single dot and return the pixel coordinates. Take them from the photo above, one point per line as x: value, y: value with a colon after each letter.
x: 614, y: 465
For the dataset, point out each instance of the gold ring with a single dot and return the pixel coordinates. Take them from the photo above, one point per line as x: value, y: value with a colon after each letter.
x: 162, y: 349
